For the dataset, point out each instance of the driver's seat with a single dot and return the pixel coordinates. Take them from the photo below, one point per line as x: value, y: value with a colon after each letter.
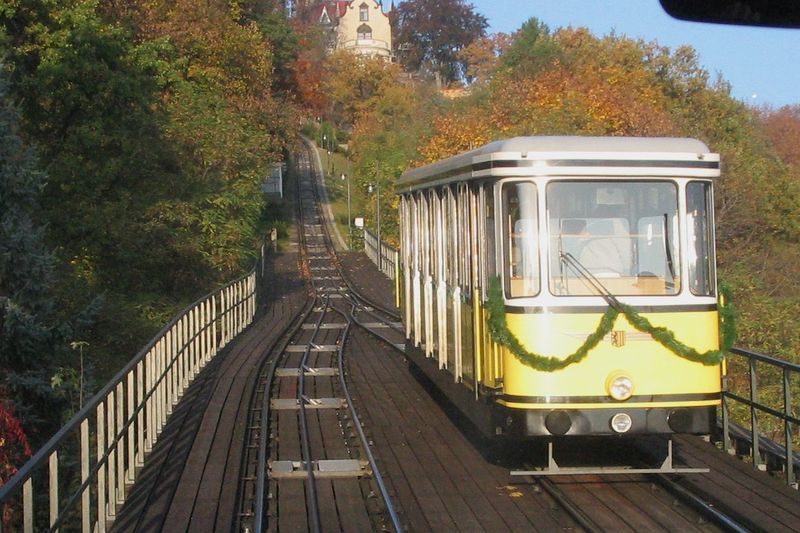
x: 607, y: 250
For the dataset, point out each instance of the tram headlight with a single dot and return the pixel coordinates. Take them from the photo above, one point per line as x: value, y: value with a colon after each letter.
x: 619, y: 386
x: 621, y: 422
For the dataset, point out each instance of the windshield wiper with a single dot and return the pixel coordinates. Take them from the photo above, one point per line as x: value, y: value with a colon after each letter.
x: 595, y: 283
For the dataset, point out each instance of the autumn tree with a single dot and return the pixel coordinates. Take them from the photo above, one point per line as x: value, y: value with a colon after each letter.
x: 482, y: 57
x: 782, y: 127
x: 356, y: 84
x: 431, y: 33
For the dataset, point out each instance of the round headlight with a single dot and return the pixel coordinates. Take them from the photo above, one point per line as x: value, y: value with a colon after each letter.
x: 621, y: 422
x: 620, y: 387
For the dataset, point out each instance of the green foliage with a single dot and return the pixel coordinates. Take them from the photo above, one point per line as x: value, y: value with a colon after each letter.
x: 29, y: 323
x: 532, y: 50
x: 156, y: 127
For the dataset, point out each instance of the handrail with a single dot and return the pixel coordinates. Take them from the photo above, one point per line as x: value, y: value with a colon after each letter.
x: 125, y: 418
x: 389, y: 254
x: 783, y: 456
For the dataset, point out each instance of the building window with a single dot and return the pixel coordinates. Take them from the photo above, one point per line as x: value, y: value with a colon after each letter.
x: 364, y: 32
x: 363, y: 12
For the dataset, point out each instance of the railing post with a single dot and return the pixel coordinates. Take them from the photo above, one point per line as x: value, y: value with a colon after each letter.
x: 53, y: 467
x: 214, y: 325
x: 110, y: 459
x: 150, y: 414
x: 27, y: 506
x: 726, y: 435
x: 182, y: 362
x: 130, y: 433
x: 86, y: 497
x: 194, y: 329
x: 101, y: 471
x: 754, y: 436
x: 787, y: 427
x: 140, y: 392
x: 119, y: 434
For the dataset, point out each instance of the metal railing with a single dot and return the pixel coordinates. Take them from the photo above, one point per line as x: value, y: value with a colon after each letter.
x: 389, y: 256
x: 79, y: 479
x: 759, y: 386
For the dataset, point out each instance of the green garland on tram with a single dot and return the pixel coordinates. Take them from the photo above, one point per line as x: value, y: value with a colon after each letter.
x: 498, y: 329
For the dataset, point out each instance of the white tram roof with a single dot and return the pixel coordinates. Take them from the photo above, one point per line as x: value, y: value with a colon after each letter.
x: 570, y: 156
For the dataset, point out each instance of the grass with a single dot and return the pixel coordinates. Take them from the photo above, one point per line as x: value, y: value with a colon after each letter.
x: 333, y: 166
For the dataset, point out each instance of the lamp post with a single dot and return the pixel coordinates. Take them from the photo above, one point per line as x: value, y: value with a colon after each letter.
x: 349, y: 219
x: 377, y: 188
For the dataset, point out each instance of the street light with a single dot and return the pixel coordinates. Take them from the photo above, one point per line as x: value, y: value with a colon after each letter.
x: 349, y: 220
x: 377, y: 188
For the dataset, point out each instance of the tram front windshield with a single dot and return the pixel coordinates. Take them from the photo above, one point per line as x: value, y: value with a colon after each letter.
x: 616, y: 236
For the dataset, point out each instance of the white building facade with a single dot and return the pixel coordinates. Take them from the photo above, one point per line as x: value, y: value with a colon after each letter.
x: 358, y: 25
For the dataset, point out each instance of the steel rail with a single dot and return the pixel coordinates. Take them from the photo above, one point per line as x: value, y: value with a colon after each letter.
x: 573, y: 510
x: 353, y: 296
x: 278, y: 349
x: 376, y: 474
x: 280, y: 355
x: 701, y: 505
x: 311, y: 485
x: 311, y: 488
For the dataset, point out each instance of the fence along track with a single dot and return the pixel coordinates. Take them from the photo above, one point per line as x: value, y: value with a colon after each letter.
x: 118, y: 427
x: 301, y: 459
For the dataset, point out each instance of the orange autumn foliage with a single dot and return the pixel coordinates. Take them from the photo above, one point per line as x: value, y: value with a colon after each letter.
x: 601, y: 87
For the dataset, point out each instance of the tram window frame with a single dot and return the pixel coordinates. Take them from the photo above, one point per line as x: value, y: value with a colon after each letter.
x: 632, y: 211
x: 435, y: 237
x: 706, y: 231
x: 464, y: 245
x: 423, y: 241
x: 486, y: 232
x: 404, y: 230
x: 509, y: 247
x: 451, y: 237
x: 472, y: 191
x: 414, y: 217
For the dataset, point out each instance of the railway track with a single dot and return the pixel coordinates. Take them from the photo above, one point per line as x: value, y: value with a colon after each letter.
x: 604, y: 502
x: 308, y: 462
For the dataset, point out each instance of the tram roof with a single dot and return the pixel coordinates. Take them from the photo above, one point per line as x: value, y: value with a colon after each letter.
x: 570, y: 155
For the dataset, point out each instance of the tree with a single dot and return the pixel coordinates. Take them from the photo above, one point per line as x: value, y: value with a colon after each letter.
x: 355, y: 84
x: 31, y: 334
x: 482, y: 57
x: 782, y: 126
x: 433, y: 32
x: 532, y: 49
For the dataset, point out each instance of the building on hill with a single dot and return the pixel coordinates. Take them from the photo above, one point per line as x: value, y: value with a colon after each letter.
x: 357, y: 25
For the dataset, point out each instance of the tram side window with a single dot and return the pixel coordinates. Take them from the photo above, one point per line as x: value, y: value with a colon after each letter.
x: 520, y: 232
x: 701, y: 251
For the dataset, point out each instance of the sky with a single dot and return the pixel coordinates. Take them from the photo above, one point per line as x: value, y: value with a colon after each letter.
x: 761, y: 64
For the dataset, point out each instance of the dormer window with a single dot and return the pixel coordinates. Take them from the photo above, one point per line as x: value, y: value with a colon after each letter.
x: 364, y: 32
x: 363, y: 12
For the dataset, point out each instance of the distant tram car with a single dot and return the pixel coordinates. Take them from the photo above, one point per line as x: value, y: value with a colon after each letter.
x: 526, y: 264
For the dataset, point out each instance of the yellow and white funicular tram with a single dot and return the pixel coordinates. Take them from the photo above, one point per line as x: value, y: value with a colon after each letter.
x: 566, y: 285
